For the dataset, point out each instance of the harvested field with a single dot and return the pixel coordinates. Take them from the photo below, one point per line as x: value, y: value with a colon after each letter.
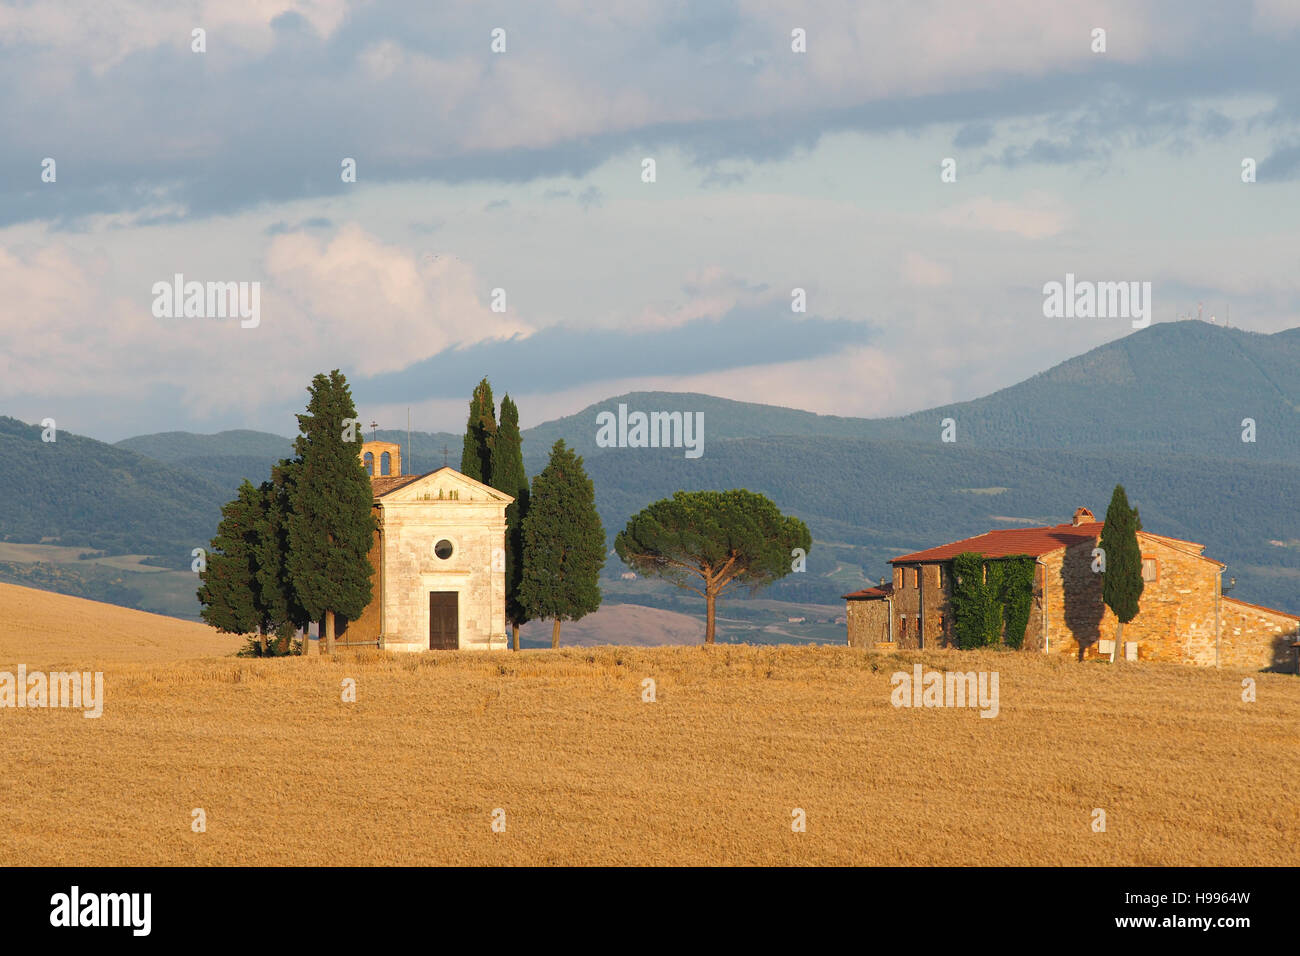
x: 587, y: 773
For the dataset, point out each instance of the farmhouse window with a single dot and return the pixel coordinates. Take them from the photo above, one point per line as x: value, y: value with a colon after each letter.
x: 916, y: 577
x: 1150, y: 569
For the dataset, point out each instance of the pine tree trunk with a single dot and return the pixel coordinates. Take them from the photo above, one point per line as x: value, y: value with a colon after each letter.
x: 329, y: 633
x: 555, y: 634
x: 1119, y: 641
x: 308, y: 645
x: 514, y: 631
x: 710, y: 600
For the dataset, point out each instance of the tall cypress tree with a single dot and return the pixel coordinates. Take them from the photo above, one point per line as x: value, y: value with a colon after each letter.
x: 330, y: 525
x: 564, y: 544
x: 480, y: 435
x: 228, y: 584
x: 508, y: 475
x: 277, y: 599
x: 1121, y: 582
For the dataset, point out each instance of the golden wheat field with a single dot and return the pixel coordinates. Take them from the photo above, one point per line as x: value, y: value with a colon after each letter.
x: 587, y: 772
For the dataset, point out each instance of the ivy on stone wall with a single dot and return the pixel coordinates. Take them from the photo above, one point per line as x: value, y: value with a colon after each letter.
x: 1017, y: 597
x: 991, y: 599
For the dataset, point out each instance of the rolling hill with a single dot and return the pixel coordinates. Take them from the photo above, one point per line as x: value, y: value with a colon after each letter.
x: 48, y: 630
x: 76, y: 491
x: 1159, y: 410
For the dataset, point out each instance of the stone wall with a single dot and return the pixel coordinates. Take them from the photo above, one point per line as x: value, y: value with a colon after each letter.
x: 922, y: 615
x: 377, y: 450
x: 868, y: 622
x: 1176, y: 620
x: 1180, y: 612
x: 1257, y: 637
x: 477, y: 533
x: 443, y: 506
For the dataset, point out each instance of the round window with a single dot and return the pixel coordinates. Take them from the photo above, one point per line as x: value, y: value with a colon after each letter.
x: 443, y: 549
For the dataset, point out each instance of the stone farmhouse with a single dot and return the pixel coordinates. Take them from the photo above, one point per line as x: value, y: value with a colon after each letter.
x: 439, y: 560
x: 1184, y: 616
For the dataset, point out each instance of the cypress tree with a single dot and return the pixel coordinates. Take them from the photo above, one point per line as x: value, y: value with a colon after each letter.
x: 228, y: 588
x: 278, y: 603
x: 330, y: 524
x: 1121, y: 581
x: 508, y: 475
x: 480, y: 435
x: 564, y: 544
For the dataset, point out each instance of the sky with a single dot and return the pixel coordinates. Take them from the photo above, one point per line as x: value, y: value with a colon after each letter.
x: 501, y: 222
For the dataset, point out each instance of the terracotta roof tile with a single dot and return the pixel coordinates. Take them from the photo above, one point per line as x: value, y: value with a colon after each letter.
x: 1008, y: 541
x: 387, y: 484
x: 871, y: 594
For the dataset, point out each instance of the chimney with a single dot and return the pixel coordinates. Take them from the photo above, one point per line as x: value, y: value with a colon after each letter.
x: 1083, y: 516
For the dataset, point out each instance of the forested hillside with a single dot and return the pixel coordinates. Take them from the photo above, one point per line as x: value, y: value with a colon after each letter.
x: 1169, y: 429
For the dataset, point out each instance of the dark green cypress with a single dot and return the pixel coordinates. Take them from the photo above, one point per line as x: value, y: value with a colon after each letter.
x: 1121, y: 582
x: 564, y: 544
x: 508, y: 475
x: 330, y: 525
x: 228, y: 582
x: 278, y: 603
x: 480, y: 435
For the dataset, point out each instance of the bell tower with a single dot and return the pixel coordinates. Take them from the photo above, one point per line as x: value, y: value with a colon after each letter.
x: 382, y: 459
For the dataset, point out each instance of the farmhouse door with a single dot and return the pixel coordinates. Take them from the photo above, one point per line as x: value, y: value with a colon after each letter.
x: 444, y: 631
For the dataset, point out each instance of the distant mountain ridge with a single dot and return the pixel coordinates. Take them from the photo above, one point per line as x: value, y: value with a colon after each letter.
x: 1159, y: 410
x: 1116, y: 396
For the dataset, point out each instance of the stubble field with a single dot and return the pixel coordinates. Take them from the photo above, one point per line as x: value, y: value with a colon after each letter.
x: 587, y: 772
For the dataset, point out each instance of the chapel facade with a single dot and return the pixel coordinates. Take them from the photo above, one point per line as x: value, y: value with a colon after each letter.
x: 438, y: 557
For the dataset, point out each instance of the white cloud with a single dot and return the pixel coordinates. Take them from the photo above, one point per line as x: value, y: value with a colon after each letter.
x: 917, y: 270
x: 378, y: 304
x: 1037, y: 216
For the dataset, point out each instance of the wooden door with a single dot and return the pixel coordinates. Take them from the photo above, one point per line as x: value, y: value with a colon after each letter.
x: 444, y: 626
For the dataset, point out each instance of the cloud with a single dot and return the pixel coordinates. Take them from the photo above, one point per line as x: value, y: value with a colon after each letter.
x: 917, y: 270
x: 1282, y: 164
x: 281, y: 227
x: 578, y: 85
x: 1038, y: 216
x: 560, y: 357
x: 376, y: 303
x: 973, y: 135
